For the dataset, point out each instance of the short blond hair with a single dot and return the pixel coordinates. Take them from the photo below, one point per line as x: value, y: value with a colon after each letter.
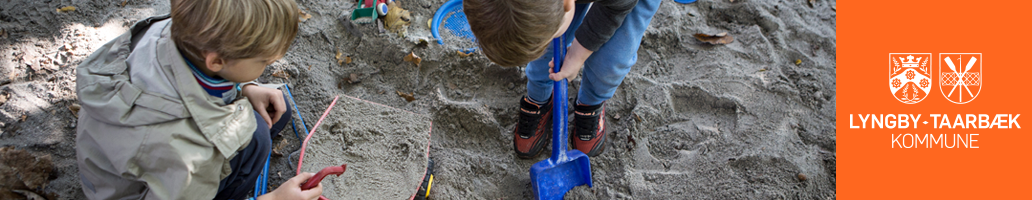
x: 235, y: 29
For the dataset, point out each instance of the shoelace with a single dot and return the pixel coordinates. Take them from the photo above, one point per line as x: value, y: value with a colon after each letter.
x: 527, y: 123
x: 586, y: 126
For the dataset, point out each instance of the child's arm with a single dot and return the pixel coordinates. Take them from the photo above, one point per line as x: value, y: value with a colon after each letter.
x: 575, y: 57
x: 264, y: 100
x: 601, y: 21
x: 292, y: 189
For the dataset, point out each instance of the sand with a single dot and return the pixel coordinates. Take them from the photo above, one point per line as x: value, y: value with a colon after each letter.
x: 385, y: 150
x: 690, y: 121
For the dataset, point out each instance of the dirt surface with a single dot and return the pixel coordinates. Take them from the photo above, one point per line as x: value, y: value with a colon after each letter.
x: 691, y: 120
x: 385, y: 150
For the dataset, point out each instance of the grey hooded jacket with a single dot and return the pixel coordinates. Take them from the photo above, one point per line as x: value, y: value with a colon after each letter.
x: 147, y: 130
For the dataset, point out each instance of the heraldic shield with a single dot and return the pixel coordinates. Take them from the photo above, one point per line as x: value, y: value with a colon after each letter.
x: 910, y: 77
x: 961, y: 78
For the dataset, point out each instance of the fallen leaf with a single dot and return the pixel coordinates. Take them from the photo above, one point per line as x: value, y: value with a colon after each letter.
x: 309, y: 67
x: 353, y: 78
x: 397, y: 18
x: 347, y: 59
x: 31, y: 169
x: 280, y: 148
x: 339, y: 55
x: 75, y: 109
x: 23, y: 117
x: 798, y: 61
x: 124, y: 2
x: 464, y: 54
x: 408, y: 97
x: 281, y: 74
x: 412, y: 57
x: 801, y: 176
x: 719, y: 38
x: 763, y: 70
x: 66, y: 9
x: 304, y: 16
x: 422, y: 43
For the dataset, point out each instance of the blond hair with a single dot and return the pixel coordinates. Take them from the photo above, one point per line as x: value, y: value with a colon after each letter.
x: 235, y: 29
x: 513, y: 32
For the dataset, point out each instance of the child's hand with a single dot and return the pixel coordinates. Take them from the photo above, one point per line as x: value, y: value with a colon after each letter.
x: 264, y: 100
x: 291, y: 189
x: 575, y: 57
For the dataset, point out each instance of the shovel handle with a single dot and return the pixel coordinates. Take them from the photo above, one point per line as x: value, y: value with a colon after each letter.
x: 314, y: 181
x: 559, y: 102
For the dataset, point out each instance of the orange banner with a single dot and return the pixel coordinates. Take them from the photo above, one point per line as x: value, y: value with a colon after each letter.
x: 927, y: 91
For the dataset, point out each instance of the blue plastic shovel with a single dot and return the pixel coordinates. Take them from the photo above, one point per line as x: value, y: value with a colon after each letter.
x: 553, y: 177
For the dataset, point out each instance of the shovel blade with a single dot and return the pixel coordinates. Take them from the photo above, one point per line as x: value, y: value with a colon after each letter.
x: 552, y: 178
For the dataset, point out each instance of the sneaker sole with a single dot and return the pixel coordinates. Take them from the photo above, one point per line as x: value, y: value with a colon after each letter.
x: 534, y: 151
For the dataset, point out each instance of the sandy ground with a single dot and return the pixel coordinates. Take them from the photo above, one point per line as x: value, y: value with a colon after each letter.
x: 691, y: 120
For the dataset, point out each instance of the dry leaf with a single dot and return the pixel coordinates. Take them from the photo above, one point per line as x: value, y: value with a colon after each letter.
x: 352, y: 79
x: 408, y: 97
x: 75, y: 109
x: 801, y: 176
x: 347, y: 59
x: 280, y: 149
x: 412, y: 57
x: 422, y: 43
x: 719, y: 38
x: 463, y: 54
x: 124, y: 2
x: 798, y: 61
x: 397, y: 18
x: 304, y: 16
x: 339, y: 55
x: 281, y: 74
x: 23, y: 117
x: 66, y: 9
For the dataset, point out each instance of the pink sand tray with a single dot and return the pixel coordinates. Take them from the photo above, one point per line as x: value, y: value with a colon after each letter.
x: 373, y: 173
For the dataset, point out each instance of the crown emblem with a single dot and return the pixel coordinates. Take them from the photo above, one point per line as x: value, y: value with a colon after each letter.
x: 909, y: 79
x: 910, y: 62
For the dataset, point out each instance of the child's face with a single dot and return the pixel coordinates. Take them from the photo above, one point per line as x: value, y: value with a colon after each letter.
x: 569, y: 7
x: 244, y: 70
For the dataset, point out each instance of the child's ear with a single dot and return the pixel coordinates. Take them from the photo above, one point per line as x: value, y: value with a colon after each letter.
x: 569, y: 5
x: 214, y: 62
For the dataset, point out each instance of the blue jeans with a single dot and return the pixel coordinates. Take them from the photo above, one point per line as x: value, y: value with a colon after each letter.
x: 605, y: 69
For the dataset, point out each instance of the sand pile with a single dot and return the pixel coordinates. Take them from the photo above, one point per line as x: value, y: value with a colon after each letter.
x: 691, y: 121
x: 385, y: 149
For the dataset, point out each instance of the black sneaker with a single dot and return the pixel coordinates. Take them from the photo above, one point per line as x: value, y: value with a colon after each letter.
x: 531, y: 133
x: 589, y: 129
